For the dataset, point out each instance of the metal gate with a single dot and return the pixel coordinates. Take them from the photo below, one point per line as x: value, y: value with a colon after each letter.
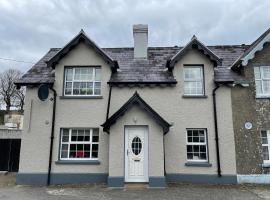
x: 10, y: 154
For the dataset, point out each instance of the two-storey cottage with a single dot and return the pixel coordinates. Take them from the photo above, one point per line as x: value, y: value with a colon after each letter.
x: 121, y: 115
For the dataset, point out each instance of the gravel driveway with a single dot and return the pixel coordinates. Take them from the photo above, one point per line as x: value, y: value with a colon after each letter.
x: 101, y: 192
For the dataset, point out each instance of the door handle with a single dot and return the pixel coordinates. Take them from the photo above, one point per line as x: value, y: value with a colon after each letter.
x: 127, y: 152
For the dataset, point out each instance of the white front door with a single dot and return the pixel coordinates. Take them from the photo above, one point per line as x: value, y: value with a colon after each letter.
x: 136, y: 154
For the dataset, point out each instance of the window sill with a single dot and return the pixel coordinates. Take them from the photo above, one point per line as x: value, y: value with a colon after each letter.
x: 194, y: 96
x: 81, y: 97
x: 198, y: 164
x: 77, y: 162
x: 266, y: 165
x: 262, y: 97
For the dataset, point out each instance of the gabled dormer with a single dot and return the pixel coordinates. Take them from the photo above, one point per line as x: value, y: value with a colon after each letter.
x: 82, y: 37
x: 193, y: 66
x: 194, y: 44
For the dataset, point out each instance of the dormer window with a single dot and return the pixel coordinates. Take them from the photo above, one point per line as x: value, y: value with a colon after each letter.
x: 82, y: 81
x: 262, y: 81
x: 193, y: 80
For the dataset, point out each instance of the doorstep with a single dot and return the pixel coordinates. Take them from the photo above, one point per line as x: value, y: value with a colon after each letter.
x: 136, y: 185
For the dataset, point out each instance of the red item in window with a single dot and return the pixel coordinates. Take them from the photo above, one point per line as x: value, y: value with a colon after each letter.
x: 80, y: 154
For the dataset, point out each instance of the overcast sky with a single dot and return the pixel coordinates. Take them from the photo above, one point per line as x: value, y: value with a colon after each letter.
x: 28, y: 28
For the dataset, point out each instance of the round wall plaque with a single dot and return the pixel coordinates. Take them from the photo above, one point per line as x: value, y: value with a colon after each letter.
x: 248, y: 125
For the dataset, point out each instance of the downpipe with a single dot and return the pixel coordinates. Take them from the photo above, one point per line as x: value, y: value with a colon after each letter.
x: 52, y: 136
x: 216, y: 129
x: 109, y: 103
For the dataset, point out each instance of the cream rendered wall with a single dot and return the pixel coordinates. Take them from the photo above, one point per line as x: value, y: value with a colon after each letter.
x: 117, y: 143
x: 189, y: 113
x: 226, y: 134
x: 34, y: 154
x: 69, y: 113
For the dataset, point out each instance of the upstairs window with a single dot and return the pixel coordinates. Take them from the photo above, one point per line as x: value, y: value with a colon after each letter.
x: 262, y: 81
x: 82, y: 81
x: 193, y: 81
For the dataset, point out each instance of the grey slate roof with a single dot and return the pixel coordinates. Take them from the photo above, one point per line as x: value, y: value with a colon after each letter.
x: 148, y: 71
x: 39, y: 73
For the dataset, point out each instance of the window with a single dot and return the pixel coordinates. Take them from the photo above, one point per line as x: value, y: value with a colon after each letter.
x: 265, y: 136
x: 136, y: 145
x: 197, y: 145
x: 82, y: 81
x: 262, y: 81
x: 193, y: 80
x: 79, y: 144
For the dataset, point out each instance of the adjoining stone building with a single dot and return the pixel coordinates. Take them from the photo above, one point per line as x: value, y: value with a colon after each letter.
x: 251, y: 112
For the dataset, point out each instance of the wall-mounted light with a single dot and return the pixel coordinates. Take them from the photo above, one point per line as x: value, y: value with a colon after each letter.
x: 248, y: 125
x: 135, y: 119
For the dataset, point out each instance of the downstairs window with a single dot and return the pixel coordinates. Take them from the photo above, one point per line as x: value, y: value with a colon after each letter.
x: 265, y: 136
x: 197, y: 145
x: 79, y: 144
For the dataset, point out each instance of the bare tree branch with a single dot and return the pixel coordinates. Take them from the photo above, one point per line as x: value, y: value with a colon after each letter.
x: 9, y: 95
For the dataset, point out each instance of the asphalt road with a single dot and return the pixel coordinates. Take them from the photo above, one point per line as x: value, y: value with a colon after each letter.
x: 10, y: 191
x: 91, y: 192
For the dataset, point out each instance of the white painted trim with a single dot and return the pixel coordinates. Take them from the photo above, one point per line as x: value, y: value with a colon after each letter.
x: 254, y: 178
x: 201, y: 79
x: 266, y: 162
x: 93, y: 81
x: 69, y: 142
x: 146, y: 154
x: 198, y: 143
x: 261, y: 79
x: 259, y: 47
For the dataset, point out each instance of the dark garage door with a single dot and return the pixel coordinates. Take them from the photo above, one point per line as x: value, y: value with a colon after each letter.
x: 10, y: 154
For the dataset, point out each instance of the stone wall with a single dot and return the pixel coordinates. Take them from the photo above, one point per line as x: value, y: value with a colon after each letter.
x: 247, y: 108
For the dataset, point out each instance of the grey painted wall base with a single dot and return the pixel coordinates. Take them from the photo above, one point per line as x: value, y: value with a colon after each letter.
x: 202, y: 178
x: 254, y: 178
x: 157, y: 181
x: 60, y: 178
x: 115, y: 181
x: 160, y: 181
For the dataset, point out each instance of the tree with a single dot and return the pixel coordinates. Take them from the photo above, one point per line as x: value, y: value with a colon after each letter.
x: 8, y: 92
x: 19, y: 98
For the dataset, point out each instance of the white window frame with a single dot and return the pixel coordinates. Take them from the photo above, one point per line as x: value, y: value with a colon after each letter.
x: 86, y: 81
x: 201, y: 79
x: 198, y: 143
x: 78, y: 142
x: 267, y: 162
x: 261, y: 79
